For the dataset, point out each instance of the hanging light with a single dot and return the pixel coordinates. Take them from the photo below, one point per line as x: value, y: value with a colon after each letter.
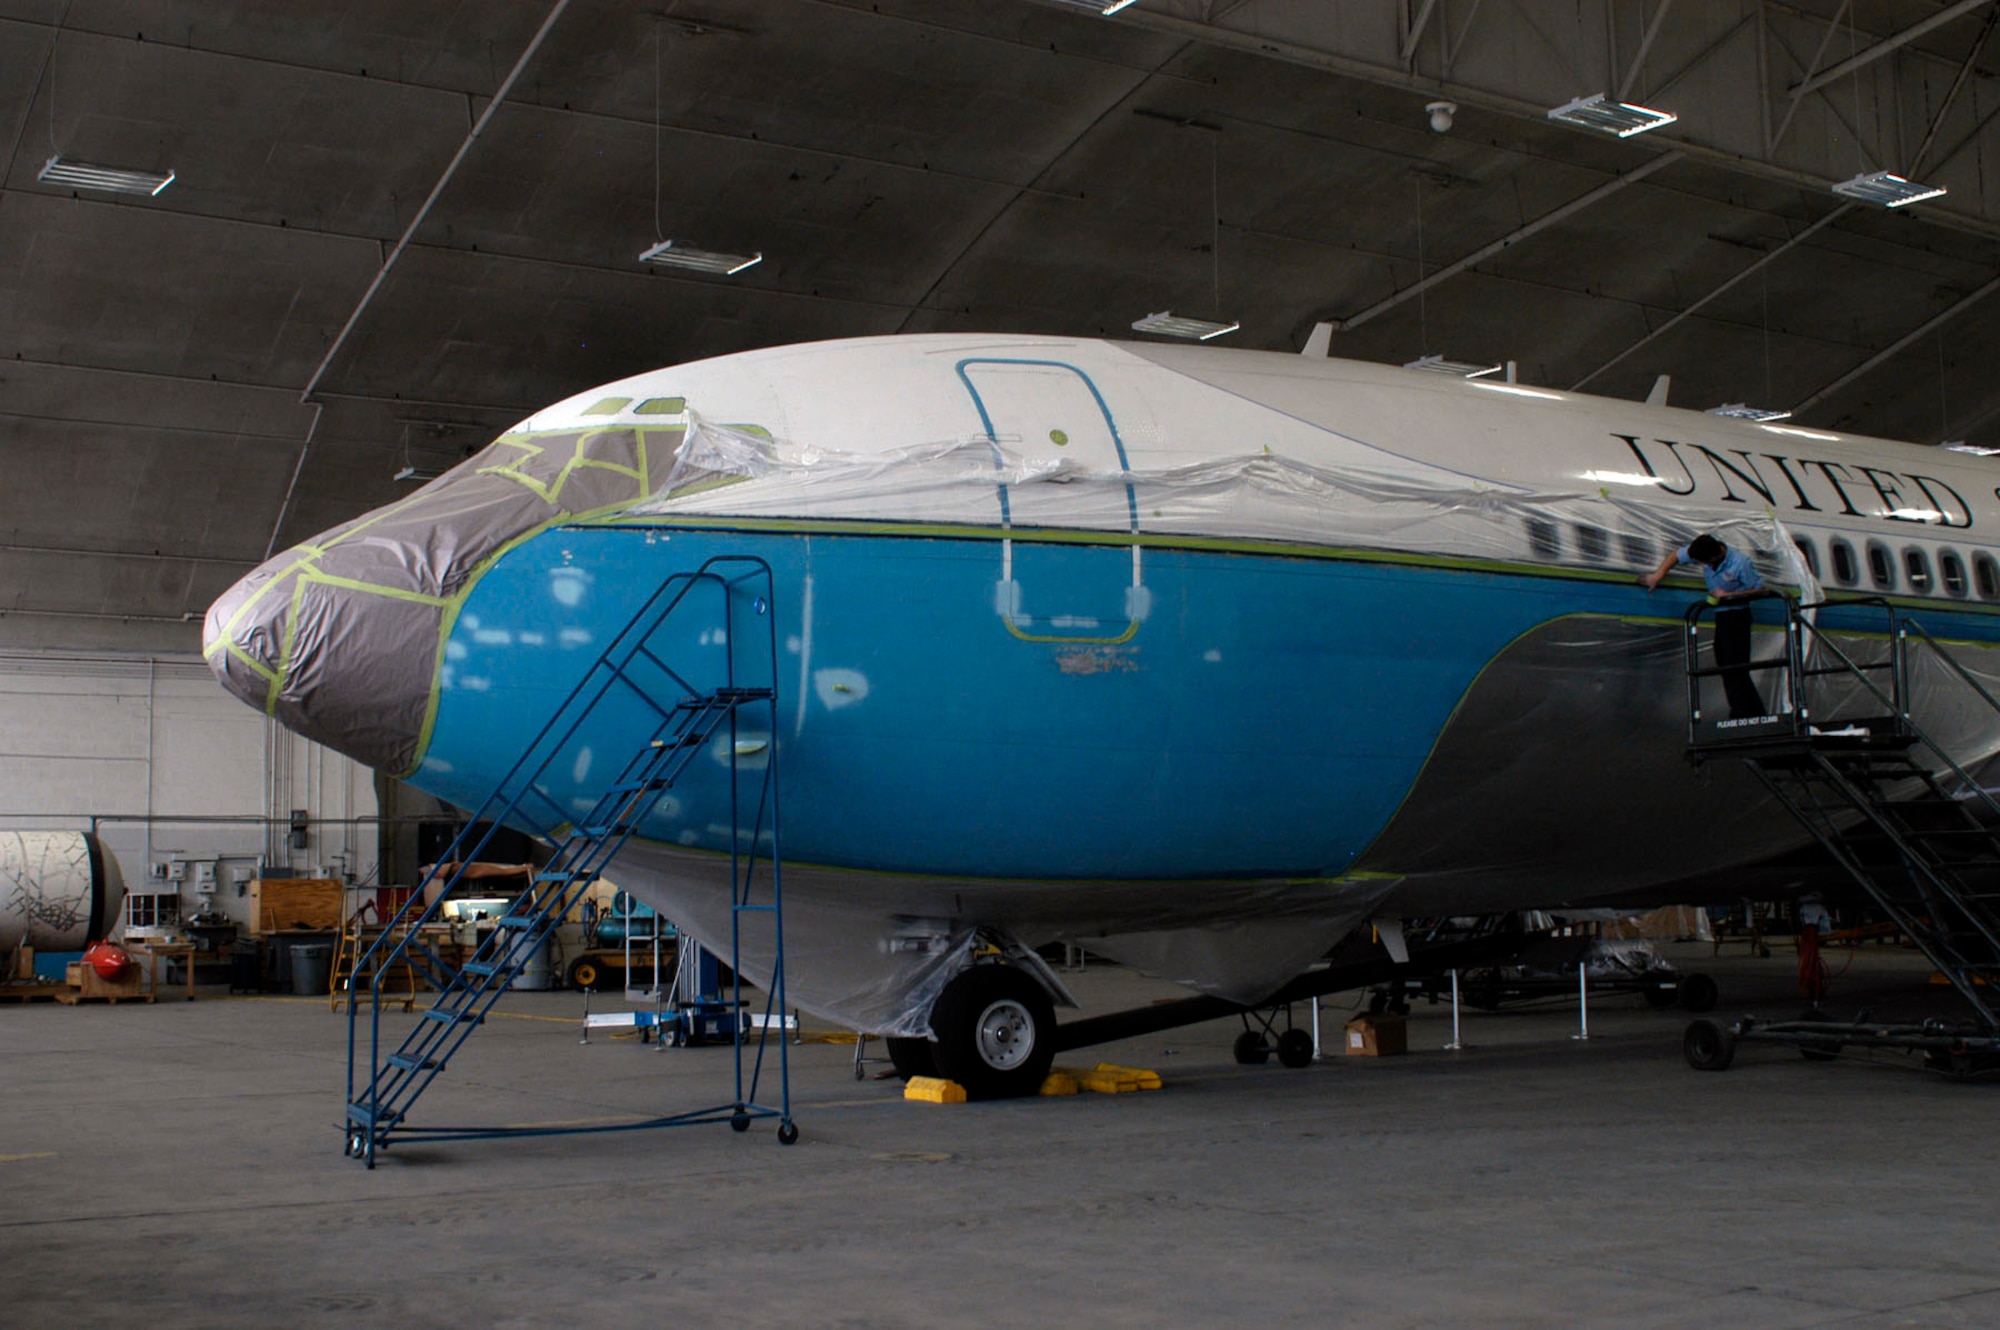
x: 1169, y: 324
x: 669, y: 255
x: 1886, y: 188
x: 108, y: 179
x: 1601, y: 113
x: 1463, y: 369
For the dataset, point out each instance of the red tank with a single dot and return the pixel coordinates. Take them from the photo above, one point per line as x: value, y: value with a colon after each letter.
x: 107, y: 958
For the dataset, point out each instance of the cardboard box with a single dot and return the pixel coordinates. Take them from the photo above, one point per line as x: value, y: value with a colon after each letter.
x: 1377, y: 1037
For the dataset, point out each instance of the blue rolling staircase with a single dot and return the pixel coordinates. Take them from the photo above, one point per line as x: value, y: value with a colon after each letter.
x: 728, y: 595
x: 1903, y: 817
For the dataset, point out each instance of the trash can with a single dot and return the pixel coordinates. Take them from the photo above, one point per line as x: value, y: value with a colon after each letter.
x: 246, y: 966
x: 310, y: 966
x: 534, y: 975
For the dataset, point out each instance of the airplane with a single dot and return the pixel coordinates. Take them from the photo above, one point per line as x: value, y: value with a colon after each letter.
x: 1197, y: 657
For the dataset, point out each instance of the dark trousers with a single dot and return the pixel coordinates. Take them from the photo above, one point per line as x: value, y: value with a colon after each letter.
x: 1732, y: 657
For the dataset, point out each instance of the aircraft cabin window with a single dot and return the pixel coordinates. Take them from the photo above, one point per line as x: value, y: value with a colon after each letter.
x: 1593, y: 543
x: 1809, y: 552
x: 1544, y: 539
x: 1638, y: 550
x: 1844, y: 571
x: 1951, y: 571
x: 1917, y: 568
x: 1987, y: 574
x: 1881, y: 568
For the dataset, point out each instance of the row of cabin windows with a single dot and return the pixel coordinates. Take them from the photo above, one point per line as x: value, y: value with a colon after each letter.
x: 1594, y: 545
x: 1879, y: 563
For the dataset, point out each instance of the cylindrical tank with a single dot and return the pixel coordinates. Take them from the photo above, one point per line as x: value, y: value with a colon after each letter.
x: 534, y: 976
x: 59, y: 890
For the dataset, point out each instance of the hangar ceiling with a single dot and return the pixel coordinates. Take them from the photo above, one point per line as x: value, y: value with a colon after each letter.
x: 907, y: 166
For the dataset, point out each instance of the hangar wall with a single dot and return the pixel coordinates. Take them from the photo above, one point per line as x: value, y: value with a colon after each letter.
x: 174, y: 770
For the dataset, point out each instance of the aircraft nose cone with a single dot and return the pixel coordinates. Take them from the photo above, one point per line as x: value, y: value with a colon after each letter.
x: 334, y: 642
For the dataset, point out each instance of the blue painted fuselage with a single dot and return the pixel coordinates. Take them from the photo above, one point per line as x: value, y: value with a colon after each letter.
x: 1265, y: 718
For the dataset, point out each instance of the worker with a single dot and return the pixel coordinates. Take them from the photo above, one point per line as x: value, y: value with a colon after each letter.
x: 1732, y: 583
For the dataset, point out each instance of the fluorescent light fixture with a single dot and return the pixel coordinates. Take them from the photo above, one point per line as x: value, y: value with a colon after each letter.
x: 1104, y: 7
x: 1974, y: 449
x: 1516, y: 390
x: 1601, y: 113
x: 1756, y: 415
x: 1622, y: 478
x: 1802, y: 433
x: 1463, y: 369
x: 1168, y: 324
x: 109, y: 179
x: 1886, y: 188
x: 669, y: 255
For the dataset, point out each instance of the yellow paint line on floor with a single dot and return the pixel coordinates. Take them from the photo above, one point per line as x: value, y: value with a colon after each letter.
x: 39, y: 1154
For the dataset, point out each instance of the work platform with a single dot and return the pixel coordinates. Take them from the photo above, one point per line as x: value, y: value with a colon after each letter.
x: 1843, y: 749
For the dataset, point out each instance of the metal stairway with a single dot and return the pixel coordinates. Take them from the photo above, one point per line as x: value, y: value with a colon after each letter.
x: 383, y: 1086
x: 1896, y: 810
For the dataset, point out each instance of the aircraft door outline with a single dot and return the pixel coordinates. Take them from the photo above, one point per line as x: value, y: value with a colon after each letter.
x: 1077, y: 628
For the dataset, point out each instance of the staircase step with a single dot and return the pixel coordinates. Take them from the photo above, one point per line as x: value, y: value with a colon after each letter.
x: 451, y: 1016
x: 362, y: 1115
x: 517, y: 921
x: 487, y: 968
x: 408, y: 1063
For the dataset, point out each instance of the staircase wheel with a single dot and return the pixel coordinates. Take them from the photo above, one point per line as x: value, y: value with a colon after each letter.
x: 788, y: 1133
x: 1295, y: 1049
x: 1251, y: 1050
x: 1698, y: 992
x: 1708, y: 1047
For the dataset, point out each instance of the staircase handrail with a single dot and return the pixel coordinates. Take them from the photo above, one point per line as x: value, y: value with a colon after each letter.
x: 491, y: 817
x: 1937, y: 648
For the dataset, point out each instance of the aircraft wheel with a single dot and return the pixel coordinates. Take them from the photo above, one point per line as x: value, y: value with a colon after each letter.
x: 1698, y: 992
x: 995, y: 1028
x: 1708, y: 1047
x: 1250, y: 1049
x: 912, y: 1057
x: 1295, y: 1049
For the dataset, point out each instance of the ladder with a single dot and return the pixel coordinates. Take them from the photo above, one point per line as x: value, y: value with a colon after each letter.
x: 356, y: 942
x: 384, y: 1080
x: 1843, y: 753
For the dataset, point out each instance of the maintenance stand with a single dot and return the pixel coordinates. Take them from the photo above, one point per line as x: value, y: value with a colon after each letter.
x: 729, y: 592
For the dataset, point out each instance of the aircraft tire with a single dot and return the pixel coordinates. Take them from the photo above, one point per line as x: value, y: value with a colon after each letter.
x: 1295, y: 1049
x: 995, y: 1028
x: 1250, y: 1049
x: 1708, y: 1047
x: 912, y: 1057
x: 1698, y: 992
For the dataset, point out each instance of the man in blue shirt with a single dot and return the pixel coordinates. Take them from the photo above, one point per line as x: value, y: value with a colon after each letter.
x: 1732, y: 583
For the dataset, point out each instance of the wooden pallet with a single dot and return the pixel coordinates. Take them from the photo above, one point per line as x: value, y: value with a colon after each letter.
x: 32, y: 992
x: 69, y: 997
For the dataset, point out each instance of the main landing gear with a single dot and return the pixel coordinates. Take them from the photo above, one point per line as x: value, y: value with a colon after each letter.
x: 994, y: 1028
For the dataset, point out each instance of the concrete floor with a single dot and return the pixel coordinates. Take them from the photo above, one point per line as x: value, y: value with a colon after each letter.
x: 180, y: 1164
